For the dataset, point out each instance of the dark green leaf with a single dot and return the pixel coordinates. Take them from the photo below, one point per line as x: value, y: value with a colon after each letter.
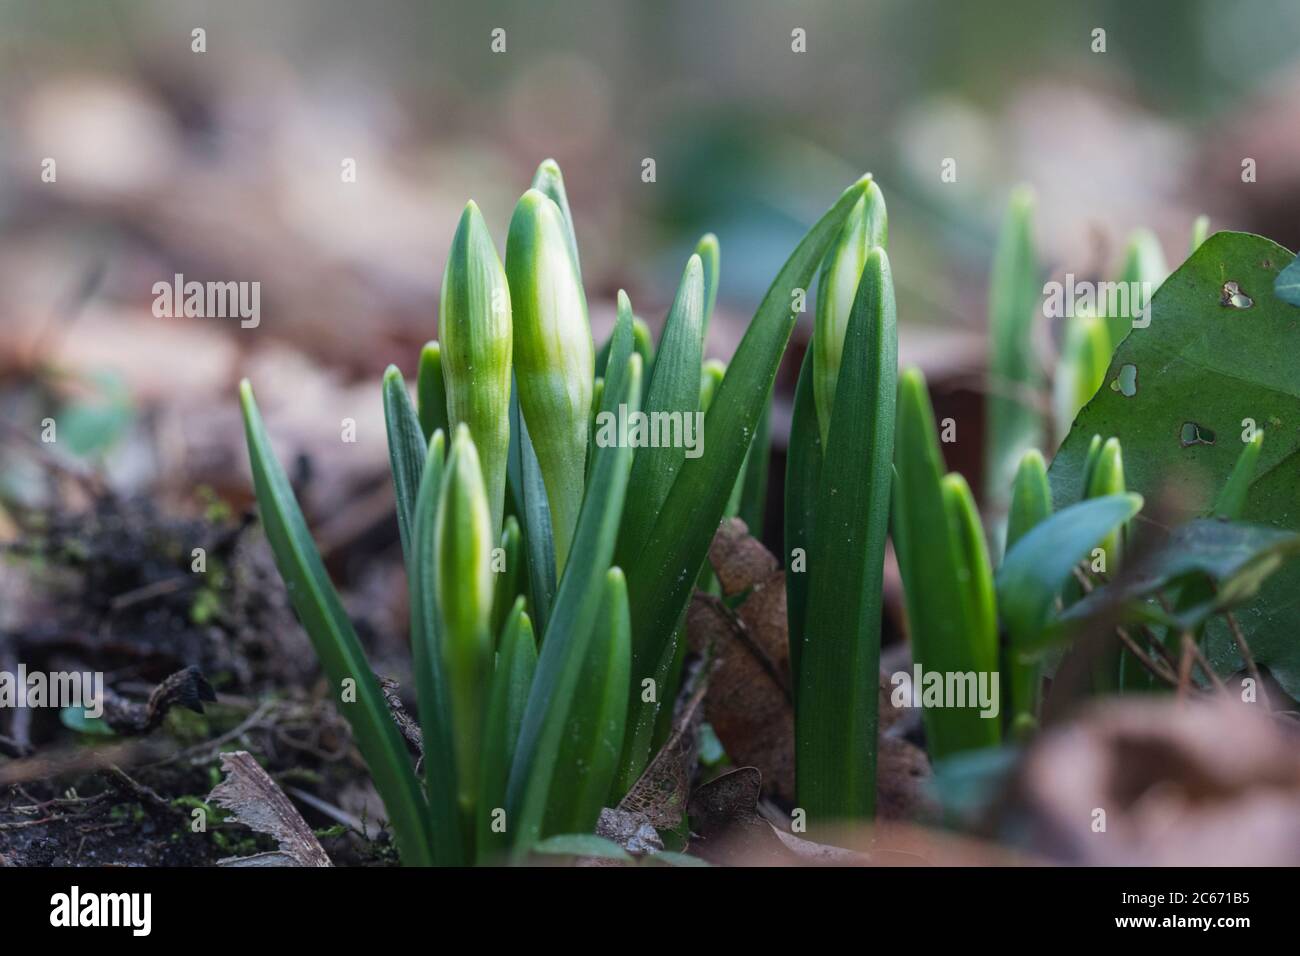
x: 431, y: 392
x: 673, y: 393
x: 1034, y: 570
x: 933, y: 558
x: 835, y: 722
x: 660, y: 583
x: 591, y: 747
x: 582, y: 845
x: 803, y: 465
x: 426, y: 665
x: 511, y: 681
x: 569, y: 631
x: 529, y: 494
x: 406, y: 451
x: 1208, y: 362
x: 336, y: 644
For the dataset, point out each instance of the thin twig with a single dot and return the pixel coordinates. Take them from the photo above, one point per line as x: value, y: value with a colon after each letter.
x: 1184, y: 670
x: 1190, y: 647
x: 1154, y: 666
x: 1246, y: 655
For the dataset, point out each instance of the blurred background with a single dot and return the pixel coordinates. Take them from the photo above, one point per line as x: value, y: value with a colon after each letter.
x: 226, y: 165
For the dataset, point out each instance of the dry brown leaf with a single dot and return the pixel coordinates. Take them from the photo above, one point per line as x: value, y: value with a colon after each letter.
x: 726, y: 826
x: 749, y: 704
x: 1209, y: 783
x: 256, y: 801
x: 661, y: 792
x: 739, y: 561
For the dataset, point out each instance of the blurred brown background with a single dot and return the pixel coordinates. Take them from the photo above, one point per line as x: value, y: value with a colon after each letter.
x: 225, y: 165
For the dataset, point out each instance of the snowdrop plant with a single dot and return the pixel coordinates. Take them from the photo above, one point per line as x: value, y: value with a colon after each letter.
x: 550, y: 571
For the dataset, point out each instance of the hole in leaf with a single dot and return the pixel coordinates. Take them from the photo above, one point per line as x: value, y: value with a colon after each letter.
x: 1232, y: 296
x: 1126, y: 382
x: 1194, y: 434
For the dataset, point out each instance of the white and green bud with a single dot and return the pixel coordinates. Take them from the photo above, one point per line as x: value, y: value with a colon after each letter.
x: 463, y: 543
x: 837, y: 285
x: 476, y: 350
x: 554, y: 356
x: 1081, y: 369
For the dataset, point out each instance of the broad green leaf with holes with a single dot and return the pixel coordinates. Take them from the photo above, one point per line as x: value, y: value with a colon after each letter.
x: 1216, y: 364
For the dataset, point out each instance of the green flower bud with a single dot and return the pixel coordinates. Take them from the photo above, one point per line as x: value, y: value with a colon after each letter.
x: 711, y: 375
x: 1081, y: 370
x: 549, y: 181
x: 1031, y: 497
x: 554, y: 356
x: 431, y: 391
x: 1107, y: 478
x: 837, y: 285
x: 463, y: 543
x: 476, y: 346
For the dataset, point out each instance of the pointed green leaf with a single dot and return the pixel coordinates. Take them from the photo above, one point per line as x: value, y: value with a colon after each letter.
x: 553, y: 355
x: 426, y: 665
x: 569, y: 631
x: 406, y: 451
x: 1031, y: 496
x: 933, y: 557
x: 431, y: 392
x: 837, y: 284
x: 1232, y: 498
x: 1144, y: 267
x: 752, y: 505
x: 511, y: 681
x: 660, y: 583
x: 591, y: 747
x: 803, y: 466
x: 1034, y: 570
x: 1081, y: 370
x: 582, y: 845
x: 643, y: 344
x: 507, y: 575
x: 672, y: 396
x: 549, y: 181
x: 835, y: 722
x: 529, y: 494
x: 1200, y: 232
x: 1014, y: 293
x: 463, y: 542
x: 711, y: 256
x: 477, y: 337
x: 322, y: 616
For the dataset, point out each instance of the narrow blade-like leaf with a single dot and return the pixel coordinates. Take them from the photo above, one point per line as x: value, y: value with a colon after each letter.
x: 660, y: 583
x: 529, y: 494
x: 674, y: 393
x: 933, y: 562
x: 590, y: 748
x: 406, y: 451
x: 511, y: 681
x: 711, y: 256
x: 431, y: 392
x: 803, y: 468
x: 336, y: 644
x: 1014, y: 291
x: 426, y: 664
x: 569, y: 631
x: 1031, y: 496
x: 835, y: 722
